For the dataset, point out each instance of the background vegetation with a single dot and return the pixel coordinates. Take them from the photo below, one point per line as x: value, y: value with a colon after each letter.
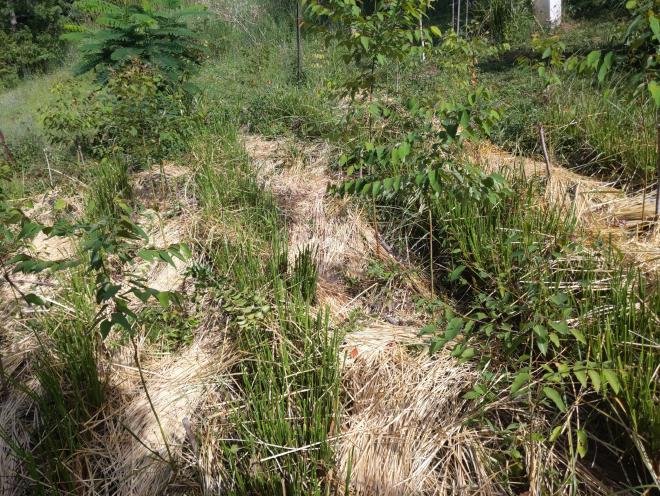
x: 557, y: 322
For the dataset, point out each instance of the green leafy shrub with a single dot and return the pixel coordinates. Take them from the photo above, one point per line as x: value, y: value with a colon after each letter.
x: 584, y: 8
x: 373, y: 41
x: 138, y: 116
x: 32, y: 44
x: 153, y: 32
x: 75, y: 115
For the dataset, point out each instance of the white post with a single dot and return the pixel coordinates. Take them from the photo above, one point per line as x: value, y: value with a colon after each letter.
x: 548, y: 12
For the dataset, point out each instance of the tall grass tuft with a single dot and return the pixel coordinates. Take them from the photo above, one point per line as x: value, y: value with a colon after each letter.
x: 111, y: 181
x: 289, y: 378
x: 70, y: 391
x: 518, y: 269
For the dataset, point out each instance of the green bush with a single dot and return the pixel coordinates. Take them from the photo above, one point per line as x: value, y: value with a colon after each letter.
x: 32, y: 44
x: 153, y: 32
x: 138, y: 116
x: 504, y: 20
x: 584, y: 8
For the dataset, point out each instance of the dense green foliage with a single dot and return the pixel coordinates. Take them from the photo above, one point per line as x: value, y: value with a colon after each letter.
x: 152, y: 32
x: 594, y: 8
x: 29, y: 37
x: 137, y: 115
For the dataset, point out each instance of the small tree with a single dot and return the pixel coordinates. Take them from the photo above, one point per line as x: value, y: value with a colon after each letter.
x: 373, y: 40
x: 152, y: 31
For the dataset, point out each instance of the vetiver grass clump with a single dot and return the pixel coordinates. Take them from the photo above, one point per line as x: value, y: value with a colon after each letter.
x: 289, y: 378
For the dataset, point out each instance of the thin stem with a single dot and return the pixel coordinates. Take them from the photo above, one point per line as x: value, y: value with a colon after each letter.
x: 136, y: 355
x: 458, y: 19
x: 431, y: 250
x: 467, y: 7
x: 657, y: 166
x: 545, y: 152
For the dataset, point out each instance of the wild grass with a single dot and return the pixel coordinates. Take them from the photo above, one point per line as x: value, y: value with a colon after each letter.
x: 254, y: 80
x: 516, y: 268
x: 70, y: 388
x: 23, y: 131
x: 290, y: 375
x: 111, y: 181
x: 604, y: 132
x: 510, y: 266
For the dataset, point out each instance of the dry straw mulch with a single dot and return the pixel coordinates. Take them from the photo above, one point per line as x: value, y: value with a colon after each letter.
x: 603, y: 210
x: 404, y: 429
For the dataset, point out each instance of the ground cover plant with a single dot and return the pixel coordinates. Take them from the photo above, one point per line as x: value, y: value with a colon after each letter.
x: 281, y: 247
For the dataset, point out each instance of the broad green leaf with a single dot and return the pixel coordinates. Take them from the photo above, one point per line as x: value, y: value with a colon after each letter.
x: 582, y: 443
x: 655, y: 26
x: 556, y: 398
x: 33, y: 299
x: 556, y: 432
x: 121, y: 320
x: 559, y: 299
x: 595, y: 378
x: 554, y: 338
x: 456, y: 273
x: 364, y: 40
x: 579, y: 336
x: 375, y: 188
x: 593, y: 58
x: 30, y: 230
x: 581, y: 376
x: 436, y: 345
x: 468, y: 353
x: 428, y: 329
x: 473, y: 395
x: 106, y: 292
x: 612, y: 379
x: 520, y: 380
x: 106, y: 325
x: 560, y: 327
x: 60, y: 204
x: 433, y: 181
x: 164, y: 298
x: 185, y: 251
x: 605, y: 66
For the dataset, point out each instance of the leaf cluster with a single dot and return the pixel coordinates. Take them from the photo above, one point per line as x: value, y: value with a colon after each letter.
x: 389, y: 34
x: 138, y: 115
x: 422, y: 159
x: 110, y: 248
x: 153, y: 32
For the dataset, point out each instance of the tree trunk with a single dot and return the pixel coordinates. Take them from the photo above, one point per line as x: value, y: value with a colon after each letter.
x: 12, y: 17
x: 8, y: 155
x: 458, y: 19
x: 467, y: 17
